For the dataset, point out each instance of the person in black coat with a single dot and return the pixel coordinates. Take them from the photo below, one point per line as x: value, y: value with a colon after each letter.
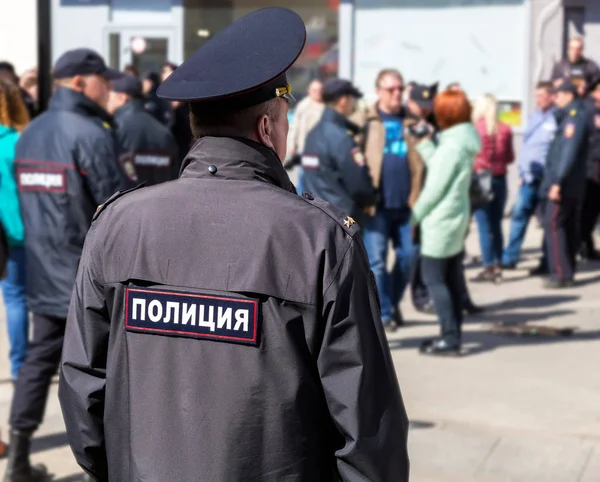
x: 66, y: 166
x: 143, y: 140
x: 222, y: 327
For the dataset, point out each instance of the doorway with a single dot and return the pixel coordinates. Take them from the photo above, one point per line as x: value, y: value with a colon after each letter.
x: 146, y: 49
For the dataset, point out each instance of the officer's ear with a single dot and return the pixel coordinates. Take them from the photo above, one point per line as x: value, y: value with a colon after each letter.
x: 265, y: 130
x: 78, y: 83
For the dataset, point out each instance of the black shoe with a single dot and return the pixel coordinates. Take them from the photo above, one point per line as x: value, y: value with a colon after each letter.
x: 18, y: 468
x: 472, y: 309
x: 509, y: 267
x: 439, y: 348
x: 553, y: 284
x: 539, y: 271
x: 398, y: 319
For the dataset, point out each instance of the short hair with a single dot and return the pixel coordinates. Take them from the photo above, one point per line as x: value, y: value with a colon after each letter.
x: 544, y: 84
x: 131, y: 70
x: 238, y: 123
x: 577, y: 38
x: 451, y: 107
x: 385, y: 72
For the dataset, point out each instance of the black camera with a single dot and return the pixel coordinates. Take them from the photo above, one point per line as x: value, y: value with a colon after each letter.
x: 419, y: 130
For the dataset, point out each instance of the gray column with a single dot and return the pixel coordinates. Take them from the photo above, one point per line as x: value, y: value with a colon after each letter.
x: 592, y: 29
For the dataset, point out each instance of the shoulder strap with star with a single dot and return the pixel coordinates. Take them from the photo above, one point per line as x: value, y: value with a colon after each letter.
x: 113, y: 198
x: 342, y: 218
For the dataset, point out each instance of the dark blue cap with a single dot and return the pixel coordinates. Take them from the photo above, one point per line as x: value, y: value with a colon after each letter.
x: 565, y: 85
x: 83, y: 62
x: 128, y: 84
x: 423, y: 95
x: 335, y: 88
x: 241, y: 66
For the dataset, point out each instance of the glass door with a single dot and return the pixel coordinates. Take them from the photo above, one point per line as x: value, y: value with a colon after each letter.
x: 146, y: 49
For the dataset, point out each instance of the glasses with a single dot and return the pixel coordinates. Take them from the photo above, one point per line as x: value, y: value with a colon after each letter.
x: 391, y: 90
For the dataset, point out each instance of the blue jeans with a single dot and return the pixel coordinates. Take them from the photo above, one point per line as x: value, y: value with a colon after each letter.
x: 389, y: 224
x: 300, y: 183
x: 17, y: 321
x: 523, y: 210
x: 445, y: 280
x: 489, y: 223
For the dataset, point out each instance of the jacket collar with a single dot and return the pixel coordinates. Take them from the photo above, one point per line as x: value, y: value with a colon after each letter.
x: 331, y: 115
x: 72, y: 101
x: 235, y: 158
x: 134, y: 105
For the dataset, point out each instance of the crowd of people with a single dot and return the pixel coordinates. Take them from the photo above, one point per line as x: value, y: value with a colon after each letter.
x: 397, y: 167
x: 412, y: 169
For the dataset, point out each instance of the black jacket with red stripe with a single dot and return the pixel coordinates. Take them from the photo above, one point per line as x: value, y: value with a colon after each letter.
x: 67, y: 165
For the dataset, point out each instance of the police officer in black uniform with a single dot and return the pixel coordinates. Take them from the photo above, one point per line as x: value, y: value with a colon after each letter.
x: 564, y: 184
x: 222, y: 327
x: 66, y: 166
x: 146, y: 143
x: 334, y: 167
x: 591, y: 203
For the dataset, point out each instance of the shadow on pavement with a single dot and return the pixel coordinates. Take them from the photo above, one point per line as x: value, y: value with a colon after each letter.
x: 531, y: 302
x: 71, y: 478
x: 49, y: 442
x: 485, y: 341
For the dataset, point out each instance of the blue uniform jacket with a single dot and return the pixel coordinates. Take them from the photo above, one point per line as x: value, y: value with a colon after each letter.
x: 566, y: 162
x: 334, y: 167
x: 66, y: 166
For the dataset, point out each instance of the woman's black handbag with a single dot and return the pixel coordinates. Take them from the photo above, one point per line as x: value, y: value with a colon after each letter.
x: 481, y: 192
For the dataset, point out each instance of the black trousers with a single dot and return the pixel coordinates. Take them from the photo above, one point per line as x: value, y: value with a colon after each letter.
x: 32, y: 385
x: 444, y: 280
x: 561, y: 225
x: 589, y: 214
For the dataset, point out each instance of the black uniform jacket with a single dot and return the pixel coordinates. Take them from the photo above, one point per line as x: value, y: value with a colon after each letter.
x: 568, y: 153
x: 295, y: 383
x: 147, y: 143
x: 66, y: 166
x: 593, y: 161
x: 334, y: 167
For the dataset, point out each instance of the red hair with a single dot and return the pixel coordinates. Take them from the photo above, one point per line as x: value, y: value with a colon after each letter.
x: 451, y: 107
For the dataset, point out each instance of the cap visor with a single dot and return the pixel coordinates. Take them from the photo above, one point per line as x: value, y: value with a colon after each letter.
x: 112, y: 74
x: 357, y: 93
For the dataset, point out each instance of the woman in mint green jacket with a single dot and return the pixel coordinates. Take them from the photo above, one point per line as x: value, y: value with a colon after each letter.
x: 13, y: 118
x: 442, y: 213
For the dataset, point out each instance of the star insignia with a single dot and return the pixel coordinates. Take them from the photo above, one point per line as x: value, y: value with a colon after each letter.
x: 349, y: 222
x: 573, y: 112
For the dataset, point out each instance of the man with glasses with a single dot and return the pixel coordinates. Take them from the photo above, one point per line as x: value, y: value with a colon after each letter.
x: 386, y: 153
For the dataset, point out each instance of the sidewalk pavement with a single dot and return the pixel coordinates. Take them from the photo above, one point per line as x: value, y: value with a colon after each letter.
x: 512, y: 409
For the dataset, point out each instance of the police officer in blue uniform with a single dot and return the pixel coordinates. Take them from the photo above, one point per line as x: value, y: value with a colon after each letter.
x: 144, y: 141
x: 334, y: 167
x: 591, y: 203
x: 67, y: 164
x: 564, y: 184
x: 223, y: 328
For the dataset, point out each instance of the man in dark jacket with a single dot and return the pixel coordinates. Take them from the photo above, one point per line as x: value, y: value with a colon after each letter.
x: 222, y: 327
x: 334, y: 167
x: 143, y: 140
x: 591, y: 203
x: 564, y: 184
x: 66, y: 166
x: 577, y: 68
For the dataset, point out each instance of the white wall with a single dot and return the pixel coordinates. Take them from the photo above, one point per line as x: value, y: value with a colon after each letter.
x: 481, y: 46
x: 18, y: 34
x: 79, y: 26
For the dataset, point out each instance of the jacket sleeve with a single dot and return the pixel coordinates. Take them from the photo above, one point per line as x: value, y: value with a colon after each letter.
x: 98, y: 160
x: 354, y: 172
x: 83, y: 365
x: 574, y: 133
x: 358, y: 377
x: 417, y: 171
x: 437, y: 181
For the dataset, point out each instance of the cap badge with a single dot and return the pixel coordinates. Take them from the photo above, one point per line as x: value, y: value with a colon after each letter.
x: 349, y: 222
x: 282, y: 91
x: 426, y: 94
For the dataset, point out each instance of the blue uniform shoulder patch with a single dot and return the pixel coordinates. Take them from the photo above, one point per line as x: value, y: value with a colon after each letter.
x: 192, y: 315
